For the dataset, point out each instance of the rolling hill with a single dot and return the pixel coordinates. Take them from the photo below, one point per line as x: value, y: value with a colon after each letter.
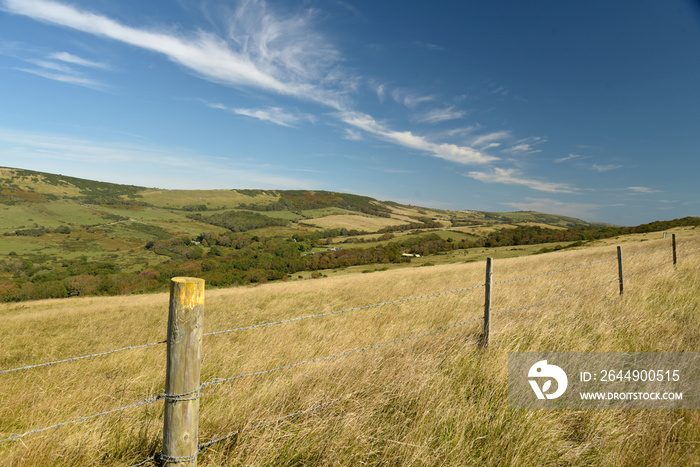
x: 66, y: 236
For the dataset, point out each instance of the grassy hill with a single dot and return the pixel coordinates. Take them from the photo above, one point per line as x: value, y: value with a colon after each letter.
x: 431, y: 400
x: 65, y: 236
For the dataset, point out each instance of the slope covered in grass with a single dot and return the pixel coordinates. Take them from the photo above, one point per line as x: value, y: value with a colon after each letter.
x: 433, y: 399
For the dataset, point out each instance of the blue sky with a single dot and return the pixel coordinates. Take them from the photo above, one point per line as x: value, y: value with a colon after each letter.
x: 588, y: 109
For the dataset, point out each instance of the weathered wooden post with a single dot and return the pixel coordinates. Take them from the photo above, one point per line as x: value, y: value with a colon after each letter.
x: 184, y: 342
x: 487, y: 302
x: 619, y: 269
x: 675, y: 258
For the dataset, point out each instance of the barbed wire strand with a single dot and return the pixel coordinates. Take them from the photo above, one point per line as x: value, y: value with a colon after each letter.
x: 364, y: 307
x: 318, y: 315
x: 202, y: 446
x: 691, y: 253
x: 72, y: 359
x: 187, y: 396
x: 647, y: 251
x: 344, y: 354
x: 555, y: 271
x: 82, y: 419
x: 555, y: 299
x: 625, y: 276
x: 263, y: 425
x: 144, y: 462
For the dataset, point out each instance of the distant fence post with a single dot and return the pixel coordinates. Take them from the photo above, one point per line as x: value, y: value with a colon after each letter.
x: 487, y: 302
x: 675, y: 258
x: 182, y: 373
x: 619, y: 269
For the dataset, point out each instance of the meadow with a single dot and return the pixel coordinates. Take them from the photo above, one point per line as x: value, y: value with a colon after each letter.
x: 377, y: 386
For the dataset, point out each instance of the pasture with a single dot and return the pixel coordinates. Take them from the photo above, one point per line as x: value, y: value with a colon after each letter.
x: 383, y: 391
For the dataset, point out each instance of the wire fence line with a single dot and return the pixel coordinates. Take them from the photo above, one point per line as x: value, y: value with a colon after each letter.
x: 556, y: 271
x: 73, y: 359
x: 648, y: 269
x: 527, y: 307
x: 364, y: 307
x: 317, y: 315
x: 647, y: 251
x: 693, y: 252
x: 243, y: 328
x: 343, y: 354
x: 197, y: 393
x: 435, y: 331
x: 201, y: 446
x: 82, y: 419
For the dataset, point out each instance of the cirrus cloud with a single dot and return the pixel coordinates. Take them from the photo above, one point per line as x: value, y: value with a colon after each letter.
x: 511, y: 177
x: 446, y: 151
x: 282, y: 56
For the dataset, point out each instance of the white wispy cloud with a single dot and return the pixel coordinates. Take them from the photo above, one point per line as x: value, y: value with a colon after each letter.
x: 46, y: 64
x: 381, y: 92
x: 352, y: 135
x: 57, y: 67
x: 490, y: 140
x: 271, y: 114
x: 512, y: 177
x: 58, y: 147
x: 283, y: 56
x: 409, y: 98
x: 430, y: 46
x: 605, y: 168
x: 275, y: 115
x: 462, y: 132
x: 168, y: 167
x: 526, y: 146
x: 450, y: 152
x: 441, y: 115
x: 570, y: 157
x: 75, y: 60
x: 63, y: 77
x: 584, y: 211
x: 642, y: 190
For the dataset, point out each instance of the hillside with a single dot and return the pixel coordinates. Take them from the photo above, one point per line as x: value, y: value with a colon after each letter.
x: 20, y: 187
x: 65, y: 236
x: 380, y: 369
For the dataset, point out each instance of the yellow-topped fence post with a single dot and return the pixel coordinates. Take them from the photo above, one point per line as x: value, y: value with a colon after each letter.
x: 182, y: 373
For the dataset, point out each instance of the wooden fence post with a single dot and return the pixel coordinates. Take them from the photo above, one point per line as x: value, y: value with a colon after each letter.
x: 487, y: 302
x: 675, y: 258
x: 182, y: 373
x: 619, y: 269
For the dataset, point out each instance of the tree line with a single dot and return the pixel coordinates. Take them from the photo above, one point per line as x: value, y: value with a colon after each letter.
x: 221, y: 259
x: 530, y: 235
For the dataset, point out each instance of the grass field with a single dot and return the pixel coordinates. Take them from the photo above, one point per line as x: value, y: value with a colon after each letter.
x: 356, y: 222
x: 213, y: 199
x: 432, y: 400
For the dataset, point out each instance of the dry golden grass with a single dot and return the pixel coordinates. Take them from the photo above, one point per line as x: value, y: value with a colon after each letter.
x: 432, y: 400
x: 352, y: 221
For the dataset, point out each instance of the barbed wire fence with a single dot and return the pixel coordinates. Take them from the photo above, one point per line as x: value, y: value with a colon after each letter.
x: 196, y: 394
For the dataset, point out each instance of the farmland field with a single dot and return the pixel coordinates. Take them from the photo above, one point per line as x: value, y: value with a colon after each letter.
x: 435, y: 399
